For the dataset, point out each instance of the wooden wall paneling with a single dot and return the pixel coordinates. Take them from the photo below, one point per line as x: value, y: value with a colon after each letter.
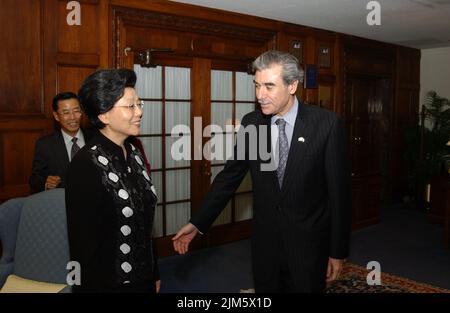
x: 368, y: 73
x: 286, y: 40
x: 405, y: 115
x: 50, y: 44
x: 78, y: 53
x: 22, y: 109
x: 311, y: 95
x: 105, y: 45
x: 326, y: 39
x: 82, y: 38
x: 20, y: 85
x: 197, y: 12
x: 79, y: 48
x: 186, y: 36
x: 70, y: 78
x: 17, y: 140
x: 339, y: 75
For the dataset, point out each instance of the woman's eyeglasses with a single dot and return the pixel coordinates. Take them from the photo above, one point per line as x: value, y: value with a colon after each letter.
x: 133, y: 106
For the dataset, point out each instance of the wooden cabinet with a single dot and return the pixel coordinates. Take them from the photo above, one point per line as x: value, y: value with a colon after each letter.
x: 367, y: 108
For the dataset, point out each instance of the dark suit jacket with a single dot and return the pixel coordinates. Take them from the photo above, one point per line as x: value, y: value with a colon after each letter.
x: 308, y: 219
x: 50, y: 158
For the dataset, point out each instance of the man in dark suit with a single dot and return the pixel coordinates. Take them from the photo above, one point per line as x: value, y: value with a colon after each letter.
x: 53, y: 152
x: 302, y: 204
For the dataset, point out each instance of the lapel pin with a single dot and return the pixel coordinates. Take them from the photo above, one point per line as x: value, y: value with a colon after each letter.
x: 301, y: 139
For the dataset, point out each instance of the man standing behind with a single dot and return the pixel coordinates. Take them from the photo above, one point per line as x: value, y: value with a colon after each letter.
x: 53, y: 152
x: 302, y: 207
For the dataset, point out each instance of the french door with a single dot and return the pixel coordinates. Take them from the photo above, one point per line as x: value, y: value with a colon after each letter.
x: 196, y: 93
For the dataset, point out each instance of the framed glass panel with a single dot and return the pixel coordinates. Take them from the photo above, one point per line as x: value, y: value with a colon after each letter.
x: 221, y: 114
x: 221, y: 148
x: 178, y: 83
x: 177, y: 215
x: 149, y: 82
x: 225, y: 216
x: 246, y: 184
x: 153, y: 148
x: 158, y: 222
x: 245, y: 87
x: 151, y: 122
x: 157, y: 183
x: 242, y: 109
x: 221, y: 85
x: 177, y: 113
x: 178, y: 185
x: 215, y: 170
x: 244, y: 207
x: 179, y: 158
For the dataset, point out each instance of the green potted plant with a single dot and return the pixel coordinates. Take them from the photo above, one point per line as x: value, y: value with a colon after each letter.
x: 427, y: 153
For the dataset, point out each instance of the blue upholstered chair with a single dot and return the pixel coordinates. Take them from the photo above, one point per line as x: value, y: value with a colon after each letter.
x: 33, y: 231
x: 9, y: 222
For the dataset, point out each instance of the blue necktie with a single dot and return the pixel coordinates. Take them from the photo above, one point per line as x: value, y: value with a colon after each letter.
x: 283, y: 148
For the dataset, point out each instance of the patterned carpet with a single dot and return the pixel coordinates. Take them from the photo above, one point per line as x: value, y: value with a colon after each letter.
x: 353, y: 280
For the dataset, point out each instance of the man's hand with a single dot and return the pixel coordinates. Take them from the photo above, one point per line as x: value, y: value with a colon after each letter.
x: 52, y: 182
x: 334, y: 269
x: 183, y: 238
x: 158, y: 285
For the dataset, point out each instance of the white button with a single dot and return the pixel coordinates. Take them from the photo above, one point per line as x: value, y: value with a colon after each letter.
x: 127, y: 211
x: 126, y: 230
x: 144, y: 172
x: 125, y: 248
x: 94, y: 148
x: 103, y: 160
x: 123, y: 194
x: 113, y: 177
x: 153, y: 190
x: 138, y: 159
x: 126, y: 267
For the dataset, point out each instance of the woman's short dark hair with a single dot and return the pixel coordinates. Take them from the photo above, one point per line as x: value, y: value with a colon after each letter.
x: 62, y: 96
x: 102, y: 89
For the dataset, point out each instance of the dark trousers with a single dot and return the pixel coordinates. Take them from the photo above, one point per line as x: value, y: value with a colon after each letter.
x: 281, y: 280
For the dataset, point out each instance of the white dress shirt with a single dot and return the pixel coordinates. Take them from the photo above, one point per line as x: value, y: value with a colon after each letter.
x: 290, y: 118
x: 68, y: 141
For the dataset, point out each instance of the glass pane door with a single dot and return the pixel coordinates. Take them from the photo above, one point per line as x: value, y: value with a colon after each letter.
x: 166, y: 92
x: 232, y: 96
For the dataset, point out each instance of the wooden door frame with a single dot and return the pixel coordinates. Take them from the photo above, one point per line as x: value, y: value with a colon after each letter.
x: 203, y: 54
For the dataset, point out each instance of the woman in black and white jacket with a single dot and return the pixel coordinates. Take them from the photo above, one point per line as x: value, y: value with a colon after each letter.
x: 110, y: 197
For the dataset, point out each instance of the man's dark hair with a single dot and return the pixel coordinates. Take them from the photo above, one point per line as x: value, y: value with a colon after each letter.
x: 102, y: 89
x: 62, y: 96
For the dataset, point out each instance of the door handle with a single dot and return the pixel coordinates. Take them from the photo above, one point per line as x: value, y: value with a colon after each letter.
x: 357, y: 140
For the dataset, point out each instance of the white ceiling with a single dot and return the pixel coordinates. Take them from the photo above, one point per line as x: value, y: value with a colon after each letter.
x: 413, y: 23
